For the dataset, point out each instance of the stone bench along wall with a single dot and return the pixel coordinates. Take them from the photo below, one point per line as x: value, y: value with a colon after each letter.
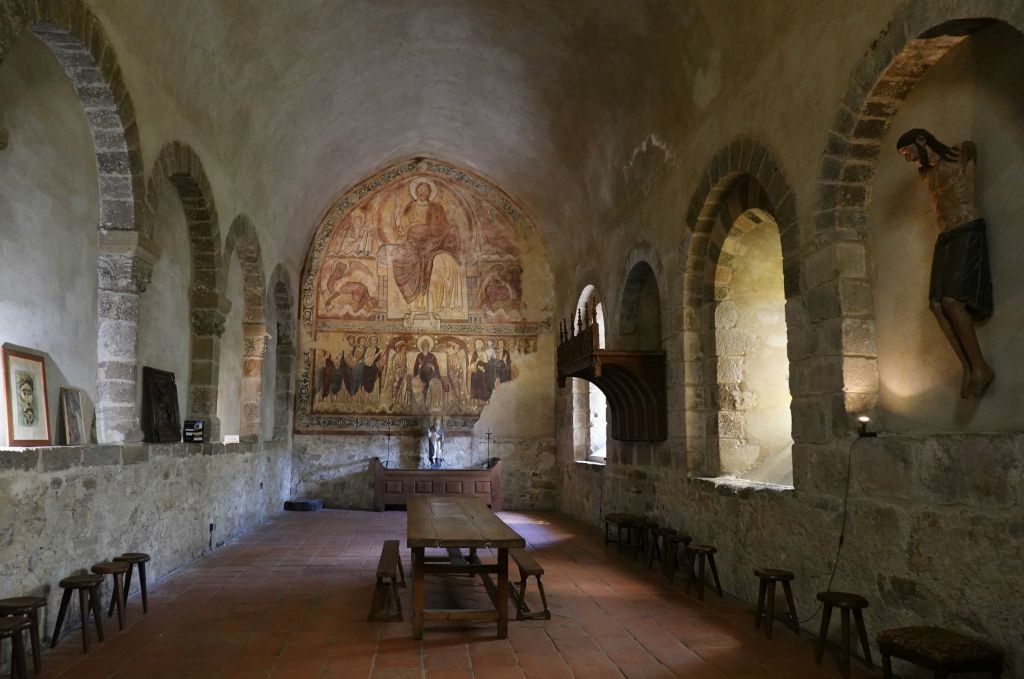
x: 67, y: 508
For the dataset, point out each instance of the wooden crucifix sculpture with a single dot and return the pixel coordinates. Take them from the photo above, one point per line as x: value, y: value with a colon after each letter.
x: 960, y: 290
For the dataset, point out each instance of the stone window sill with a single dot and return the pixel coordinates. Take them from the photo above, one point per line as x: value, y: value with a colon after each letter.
x: 731, y: 483
x: 593, y: 462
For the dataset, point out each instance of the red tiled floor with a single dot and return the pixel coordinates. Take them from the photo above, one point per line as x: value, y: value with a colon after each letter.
x: 290, y: 598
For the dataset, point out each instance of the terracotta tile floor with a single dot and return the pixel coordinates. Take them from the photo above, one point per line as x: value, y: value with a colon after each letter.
x: 289, y: 599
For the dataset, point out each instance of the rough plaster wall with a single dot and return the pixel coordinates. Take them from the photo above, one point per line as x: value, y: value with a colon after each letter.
x: 49, y: 209
x: 229, y: 383
x: 71, y: 507
x: 973, y: 93
x: 760, y: 307
x: 164, y: 312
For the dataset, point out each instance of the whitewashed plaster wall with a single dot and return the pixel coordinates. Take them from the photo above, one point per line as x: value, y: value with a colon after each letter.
x: 229, y: 383
x: 164, y: 313
x: 973, y: 93
x: 49, y: 210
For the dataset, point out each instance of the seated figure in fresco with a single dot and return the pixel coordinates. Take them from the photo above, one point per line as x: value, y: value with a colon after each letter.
x: 960, y: 290
x: 427, y: 234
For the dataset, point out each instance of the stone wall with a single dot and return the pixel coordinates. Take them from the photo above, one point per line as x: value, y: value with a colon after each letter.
x: 337, y: 469
x: 67, y: 508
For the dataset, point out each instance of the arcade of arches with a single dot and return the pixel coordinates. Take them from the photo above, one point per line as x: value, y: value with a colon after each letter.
x: 338, y: 223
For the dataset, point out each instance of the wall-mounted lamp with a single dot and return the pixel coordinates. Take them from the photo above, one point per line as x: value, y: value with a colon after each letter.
x: 863, y: 432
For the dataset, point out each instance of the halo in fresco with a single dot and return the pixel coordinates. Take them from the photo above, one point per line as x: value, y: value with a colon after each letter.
x: 413, y: 302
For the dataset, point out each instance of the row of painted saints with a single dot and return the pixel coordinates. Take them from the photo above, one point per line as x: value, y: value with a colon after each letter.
x: 429, y: 254
x: 416, y: 301
x: 442, y: 374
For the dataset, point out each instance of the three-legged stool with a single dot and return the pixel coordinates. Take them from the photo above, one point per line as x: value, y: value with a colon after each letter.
x: 13, y: 629
x: 28, y: 607
x: 88, y: 588
x: 139, y: 560
x: 700, y: 554
x: 116, y: 570
x: 769, y: 576
x: 847, y: 603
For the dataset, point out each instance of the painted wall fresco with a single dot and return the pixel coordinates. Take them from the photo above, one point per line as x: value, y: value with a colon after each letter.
x: 415, y: 302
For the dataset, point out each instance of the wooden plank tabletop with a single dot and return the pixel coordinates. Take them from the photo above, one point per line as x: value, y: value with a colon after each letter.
x: 435, y: 521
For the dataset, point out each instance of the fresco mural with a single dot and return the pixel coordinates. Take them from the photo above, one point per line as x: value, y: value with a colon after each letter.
x: 413, y: 303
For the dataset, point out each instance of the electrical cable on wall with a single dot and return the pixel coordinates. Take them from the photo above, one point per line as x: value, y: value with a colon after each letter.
x: 862, y: 434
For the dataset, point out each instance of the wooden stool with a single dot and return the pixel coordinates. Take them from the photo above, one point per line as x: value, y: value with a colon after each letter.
x: 13, y: 629
x: 671, y: 562
x: 135, y: 559
x: 527, y: 566
x: 27, y: 606
x: 642, y: 539
x: 658, y: 547
x: 941, y: 651
x: 700, y: 554
x: 86, y: 585
x: 846, y: 603
x: 769, y: 576
x: 622, y: 522
x: 116, y: 570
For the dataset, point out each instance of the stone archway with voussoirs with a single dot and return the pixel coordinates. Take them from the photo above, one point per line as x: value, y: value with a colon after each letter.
x: 279, y: 292
x: 79, y: 43
x: 242, y: 241
x: 179, y: 164
x: 741, y: 179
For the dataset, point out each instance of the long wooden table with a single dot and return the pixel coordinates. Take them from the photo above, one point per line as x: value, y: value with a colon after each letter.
x: 458, y: 523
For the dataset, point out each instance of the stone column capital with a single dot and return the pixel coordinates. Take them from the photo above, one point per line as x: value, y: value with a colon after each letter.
x: 124, y: 273
x: 256, y: 340
x: 207, y: 322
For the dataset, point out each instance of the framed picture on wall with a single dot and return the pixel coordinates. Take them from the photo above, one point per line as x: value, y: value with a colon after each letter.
x: 28, y: 419
x: 74, y: 421
x: 160, y: 423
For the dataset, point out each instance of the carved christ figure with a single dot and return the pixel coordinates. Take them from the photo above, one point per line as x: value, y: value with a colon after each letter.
x: 960, y: 290
x: 427, y: 234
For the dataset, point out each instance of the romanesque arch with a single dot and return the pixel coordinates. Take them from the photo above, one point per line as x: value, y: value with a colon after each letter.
x: 243, y: 242
x: 640, y: 307
x: 913, y: 41
x: 178, y: 164
x: 77, y: 39
x: 279, y: 291
x: 743, y: 188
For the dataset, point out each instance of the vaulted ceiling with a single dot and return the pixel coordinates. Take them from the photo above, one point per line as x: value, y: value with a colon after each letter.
x: 562, y: 104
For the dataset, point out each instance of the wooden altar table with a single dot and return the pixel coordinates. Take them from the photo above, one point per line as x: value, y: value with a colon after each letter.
x: 458, y: 523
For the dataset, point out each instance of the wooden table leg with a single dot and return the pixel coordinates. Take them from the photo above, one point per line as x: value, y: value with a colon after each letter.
x: 502, y: 600
x: 417, y: 592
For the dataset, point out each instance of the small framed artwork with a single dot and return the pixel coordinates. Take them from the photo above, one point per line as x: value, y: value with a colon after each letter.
x: 74, y: 422
x: 28, y: 419
x: 160, y: 423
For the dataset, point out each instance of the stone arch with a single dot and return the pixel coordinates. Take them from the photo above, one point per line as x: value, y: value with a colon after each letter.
x: 743, y: 185
x: 279, y: 291
x: 839, y: 263
x: 640, y: 305
x: 179, y: 164
x: 77, y: 40
x: 243, y: 241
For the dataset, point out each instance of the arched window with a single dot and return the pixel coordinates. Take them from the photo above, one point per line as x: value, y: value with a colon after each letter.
x: 589, y: 405
x: 752, y: 367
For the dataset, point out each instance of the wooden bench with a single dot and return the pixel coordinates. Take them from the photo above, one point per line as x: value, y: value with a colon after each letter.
x: 389, y: 570
x: 527, y: 566
x: 942, y: 651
